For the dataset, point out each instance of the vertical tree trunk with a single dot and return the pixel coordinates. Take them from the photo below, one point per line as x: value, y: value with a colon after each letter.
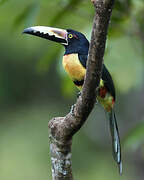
x: 62, y: 129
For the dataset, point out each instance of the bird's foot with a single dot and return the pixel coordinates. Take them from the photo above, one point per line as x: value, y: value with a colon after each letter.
x: 72, y: 109
x: 78, y: 94
x: 96, y: 101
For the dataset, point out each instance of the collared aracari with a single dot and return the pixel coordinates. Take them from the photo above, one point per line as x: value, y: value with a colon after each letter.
x: 74, y: 62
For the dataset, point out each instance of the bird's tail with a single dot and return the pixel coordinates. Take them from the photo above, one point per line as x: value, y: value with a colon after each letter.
x: 116, y: 147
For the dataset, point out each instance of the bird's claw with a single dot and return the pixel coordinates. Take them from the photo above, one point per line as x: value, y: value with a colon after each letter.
x: 72, y: 109
x: 78, y: 94
x: 96, y: 102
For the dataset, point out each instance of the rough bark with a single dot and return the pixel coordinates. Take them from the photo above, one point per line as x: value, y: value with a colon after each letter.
x: 62, y: 129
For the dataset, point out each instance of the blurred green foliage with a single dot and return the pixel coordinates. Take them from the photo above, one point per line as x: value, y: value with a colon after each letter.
x: 134, y: 138
x: 34, y: 88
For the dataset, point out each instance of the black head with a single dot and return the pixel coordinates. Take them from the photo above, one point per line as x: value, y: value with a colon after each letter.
x: 73, y: 41
x: 77, y: 42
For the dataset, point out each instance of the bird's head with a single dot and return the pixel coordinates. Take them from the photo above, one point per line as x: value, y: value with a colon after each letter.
x: 73, y: 41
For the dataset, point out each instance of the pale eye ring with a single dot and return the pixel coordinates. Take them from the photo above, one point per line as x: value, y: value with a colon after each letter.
x: 70, y: 36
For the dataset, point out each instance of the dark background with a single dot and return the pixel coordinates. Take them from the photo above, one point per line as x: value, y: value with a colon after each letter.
x: 34, y: 88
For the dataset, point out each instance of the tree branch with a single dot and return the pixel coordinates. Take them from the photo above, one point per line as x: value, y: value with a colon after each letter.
x: 62, y: 129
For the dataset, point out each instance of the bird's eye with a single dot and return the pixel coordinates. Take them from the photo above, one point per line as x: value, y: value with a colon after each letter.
x: 70, y: 36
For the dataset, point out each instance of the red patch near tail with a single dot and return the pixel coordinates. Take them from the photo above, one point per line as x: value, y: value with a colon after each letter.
x: 102, y: 92
x: 113, y: 101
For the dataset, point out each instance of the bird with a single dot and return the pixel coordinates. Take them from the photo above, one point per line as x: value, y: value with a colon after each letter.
x: 75, y: 63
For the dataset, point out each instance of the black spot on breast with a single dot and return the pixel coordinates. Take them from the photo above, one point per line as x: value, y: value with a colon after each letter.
x: 78, y: 83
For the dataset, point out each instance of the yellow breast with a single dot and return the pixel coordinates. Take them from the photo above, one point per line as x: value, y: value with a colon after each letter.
x: 73, y: 67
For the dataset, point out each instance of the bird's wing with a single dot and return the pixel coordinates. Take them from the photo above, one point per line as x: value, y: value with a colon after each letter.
x: 83, y: 59
x: 106, y: 77
x: 108, y: 82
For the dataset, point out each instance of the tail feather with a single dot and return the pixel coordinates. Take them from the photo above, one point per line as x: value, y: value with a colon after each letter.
x: 116, y: 147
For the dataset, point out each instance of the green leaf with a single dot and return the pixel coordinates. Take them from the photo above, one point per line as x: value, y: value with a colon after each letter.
x: 135, y: 137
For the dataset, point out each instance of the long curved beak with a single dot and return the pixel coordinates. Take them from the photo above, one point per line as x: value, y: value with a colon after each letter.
x: 50, y: 33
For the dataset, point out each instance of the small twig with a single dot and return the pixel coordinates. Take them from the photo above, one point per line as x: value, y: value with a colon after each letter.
x: 62, y: 129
